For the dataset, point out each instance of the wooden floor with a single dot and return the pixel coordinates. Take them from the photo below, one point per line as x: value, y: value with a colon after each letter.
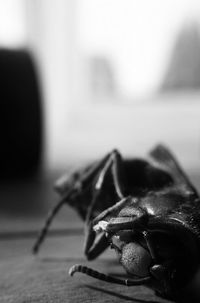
x: 44, y: 278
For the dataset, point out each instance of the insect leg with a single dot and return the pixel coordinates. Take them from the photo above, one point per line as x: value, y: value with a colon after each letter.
x: 91, y: 232
x: 100, y: 243
x: 118, y: 206
x: 114, y: 165
x: 137, y: 222
x: 70, y: 188
x: 117, y: 172
x: 45, y: 228
x: 80, y: 179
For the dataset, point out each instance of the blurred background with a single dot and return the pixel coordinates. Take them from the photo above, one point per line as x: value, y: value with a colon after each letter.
x: 81, y: 77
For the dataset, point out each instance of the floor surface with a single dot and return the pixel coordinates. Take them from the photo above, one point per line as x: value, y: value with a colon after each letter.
x: 44, y: 278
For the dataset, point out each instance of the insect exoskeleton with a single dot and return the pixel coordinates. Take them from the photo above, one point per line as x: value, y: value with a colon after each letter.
x: 146, y: 209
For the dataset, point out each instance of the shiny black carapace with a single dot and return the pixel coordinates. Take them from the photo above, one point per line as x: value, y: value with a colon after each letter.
x: 146, y: 210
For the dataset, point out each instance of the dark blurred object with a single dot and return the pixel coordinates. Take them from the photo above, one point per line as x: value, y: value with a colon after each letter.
x: 20, y: 115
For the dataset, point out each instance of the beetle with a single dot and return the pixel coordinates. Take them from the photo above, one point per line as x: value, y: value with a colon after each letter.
x: 147, y: 210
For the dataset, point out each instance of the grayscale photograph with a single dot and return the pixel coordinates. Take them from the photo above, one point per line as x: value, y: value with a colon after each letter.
x: 99, y: 151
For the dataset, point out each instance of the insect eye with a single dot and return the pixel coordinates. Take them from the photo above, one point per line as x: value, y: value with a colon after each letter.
x: 121, y: 238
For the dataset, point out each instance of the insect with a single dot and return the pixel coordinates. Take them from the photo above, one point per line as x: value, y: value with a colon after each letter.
x: 147, y: 210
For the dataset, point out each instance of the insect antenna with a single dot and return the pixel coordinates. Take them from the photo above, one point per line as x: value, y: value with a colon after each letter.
x: 47, y: 223
x: 100, y: 276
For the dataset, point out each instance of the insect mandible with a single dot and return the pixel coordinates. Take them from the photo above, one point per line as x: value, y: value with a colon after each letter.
x: 147, y: 210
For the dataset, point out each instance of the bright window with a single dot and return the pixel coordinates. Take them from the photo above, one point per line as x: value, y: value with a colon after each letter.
x: 13, y: 23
